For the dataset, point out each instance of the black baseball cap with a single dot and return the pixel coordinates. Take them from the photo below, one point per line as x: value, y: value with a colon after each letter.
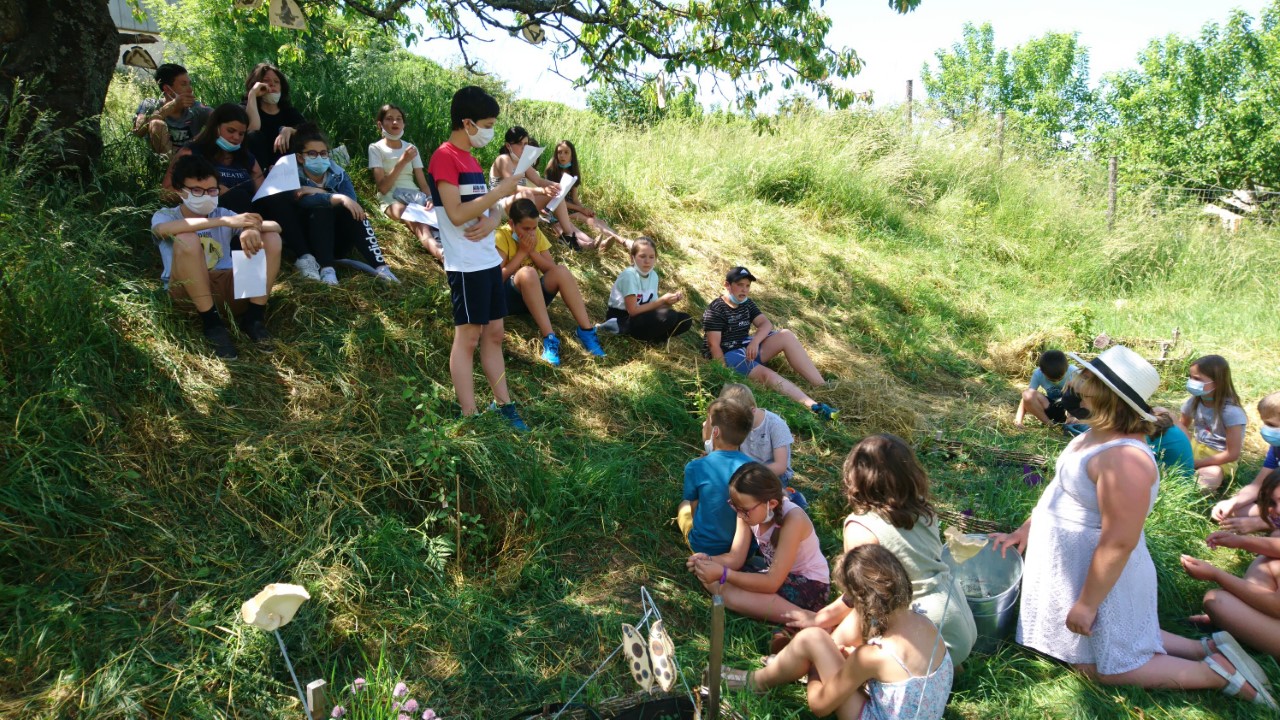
x: 736, y: 273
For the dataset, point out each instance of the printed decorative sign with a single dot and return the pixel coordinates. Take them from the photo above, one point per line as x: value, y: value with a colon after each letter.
x: 287, y: 14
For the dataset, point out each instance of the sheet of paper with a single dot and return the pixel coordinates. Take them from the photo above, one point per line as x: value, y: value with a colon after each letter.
x: 249, y: 274
x: 340, y: 155
x: 566, y: 185
x: 282, y: 178
x: 527, y: 159
x: 420, y: 214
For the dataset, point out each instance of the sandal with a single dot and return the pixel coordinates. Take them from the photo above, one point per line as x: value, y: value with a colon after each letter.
x: 739, y: 680
x: 1241, y: 677
x: 1233, y: 651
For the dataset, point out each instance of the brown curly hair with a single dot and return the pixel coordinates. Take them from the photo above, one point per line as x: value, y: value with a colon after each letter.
x: 882, y: 476
x: 875, y: 586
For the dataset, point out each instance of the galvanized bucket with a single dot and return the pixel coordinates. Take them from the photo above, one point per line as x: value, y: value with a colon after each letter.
x: 991, y: 585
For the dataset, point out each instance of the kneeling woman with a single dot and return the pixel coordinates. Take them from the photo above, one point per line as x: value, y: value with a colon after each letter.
x: 1089, y: 587
x: 796, y: 578
x: 334, y: 220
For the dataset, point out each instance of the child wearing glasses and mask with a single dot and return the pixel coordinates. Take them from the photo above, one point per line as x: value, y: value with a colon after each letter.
x: 334, y: 220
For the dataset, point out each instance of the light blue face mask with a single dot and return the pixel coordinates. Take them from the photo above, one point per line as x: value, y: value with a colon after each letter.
x: 1271, y: 435
x: 317, y: 165
x: 1196, y: 387
x: 226, y: 145
x: 565, y: 166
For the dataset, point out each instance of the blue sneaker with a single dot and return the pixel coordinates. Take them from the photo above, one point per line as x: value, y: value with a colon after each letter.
x: 798, y: 498
x: 509, y: 413
x: 826, y: 411
x: 551, y: 349
x: 590, y: 342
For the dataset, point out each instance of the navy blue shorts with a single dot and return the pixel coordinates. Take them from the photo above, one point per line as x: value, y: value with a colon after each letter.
x: 478, y: 297
x: 515, y: 301
x: 737, y: 359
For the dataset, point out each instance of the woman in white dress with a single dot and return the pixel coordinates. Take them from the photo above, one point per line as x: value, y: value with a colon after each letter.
x: 1089, y: 587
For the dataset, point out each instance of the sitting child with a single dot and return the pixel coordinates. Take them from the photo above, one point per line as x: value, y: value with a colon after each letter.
x: 1051, y: 376
x: 896, y: 665
x: 1247, y: 607
x: 534, y: 187
x: 533, y: 279
x: 727, y: 325
x: 398, y: 174
x: 704, y: 516
x: 1171, y: 446
x: 1239, y: 513
x: 195, y: 240
x: 635, y: 308
x: 888, y: 491
x: 1213, y: 412
x: 335, y: 222
x: 795, y: 578
x: 565, y: 162
x: 770, y: 439
x: 174, y: 119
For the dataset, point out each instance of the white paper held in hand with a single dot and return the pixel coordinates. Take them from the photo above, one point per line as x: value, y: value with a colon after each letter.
x: 282, y: 178
x: 420, y: 214
x: 566, y: 185
x: 527, y: 159
x: 249, y: 274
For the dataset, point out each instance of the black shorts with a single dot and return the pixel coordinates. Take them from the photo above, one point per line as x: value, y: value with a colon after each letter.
x: 515, y: 301
x: 478, y: 296
x: 1055, y: 411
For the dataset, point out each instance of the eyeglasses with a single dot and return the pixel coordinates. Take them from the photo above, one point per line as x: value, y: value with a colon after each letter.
x: 741, y: 512
x: 313, y: 154
x: 201, y: 192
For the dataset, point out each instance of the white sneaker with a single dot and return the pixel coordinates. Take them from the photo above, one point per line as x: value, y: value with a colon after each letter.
x: 384, y: 273
x: 308, y: 266
x: 328, y: 276
x: 610, y: 326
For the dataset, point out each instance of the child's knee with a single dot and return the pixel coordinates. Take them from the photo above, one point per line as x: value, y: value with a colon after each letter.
x: 272, y: 243
x: 526, y: 274
x: 1029, y: 395
x: 186, y: 244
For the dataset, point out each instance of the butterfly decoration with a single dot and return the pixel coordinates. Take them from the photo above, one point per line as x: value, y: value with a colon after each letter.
x: 274, y: 607
x: 287, y: 14
x: 533, y: 33
x: 138, y: 57
x: 637, y: 654
x: 651, y: 663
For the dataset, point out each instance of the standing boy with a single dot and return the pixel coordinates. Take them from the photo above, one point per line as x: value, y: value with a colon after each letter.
x: 471, y: 259
x: 169, y: 122
x: 705, y: 516
x: 1043, y: 397
x: 727, y: 325
x: 195, y: 240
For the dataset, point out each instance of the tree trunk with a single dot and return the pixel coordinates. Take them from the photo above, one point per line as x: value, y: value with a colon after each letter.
x: 62, y: 52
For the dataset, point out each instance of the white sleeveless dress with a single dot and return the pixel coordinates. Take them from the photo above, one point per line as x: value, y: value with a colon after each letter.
x: 1065, y: 527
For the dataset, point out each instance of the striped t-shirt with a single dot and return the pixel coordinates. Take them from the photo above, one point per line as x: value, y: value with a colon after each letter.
x: 733, y: 324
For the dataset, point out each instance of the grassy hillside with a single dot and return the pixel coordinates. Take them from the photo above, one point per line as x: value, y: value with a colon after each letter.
x: 149, y: 488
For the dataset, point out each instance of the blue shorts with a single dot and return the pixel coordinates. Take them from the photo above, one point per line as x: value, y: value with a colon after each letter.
x: 737, y: 359
x: 478, y: 297
x: 515, y: 301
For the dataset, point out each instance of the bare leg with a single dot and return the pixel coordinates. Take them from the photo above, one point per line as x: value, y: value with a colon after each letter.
x: 812, y: 651
x: 849, y: 632
x: 770, y: 379
x: 785, y: 342
x: 1210, y: 478
x: 607, y: 234
x: 1247, y: 624
x: 1035, y: 403
x: 271, y: 246
x: 1166, y: 672
x: 526, y: 281
x: 560, y: 280
x: 422, y: 231
x: 191, y: 272
x: 769, y: 607
x: 491, y: 360
x: 568, y: 228
x: 461, y: 356
x: 158, y: 136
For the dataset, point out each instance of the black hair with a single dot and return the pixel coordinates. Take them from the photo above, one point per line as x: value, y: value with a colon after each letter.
x: 305, y: 133
x: 206, y: 143
x: 471, y: 103
x: 1053, y: 363
x: 385, y: 109
x: 515, y: 134
x: 522, y: 209
x: 167, y: 73
x: 260, y: 71
x: 192, y: 167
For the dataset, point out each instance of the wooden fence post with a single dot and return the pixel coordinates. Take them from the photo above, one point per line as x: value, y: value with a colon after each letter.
x: 1111, y: 192
x: 1000, y: 137
x: 317, y: 699
x: 909, y: 82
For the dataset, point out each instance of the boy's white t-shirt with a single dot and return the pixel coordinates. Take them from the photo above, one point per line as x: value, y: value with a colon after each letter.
x: 221, y: 235
x: 453, y: 165
x: 383, y: 156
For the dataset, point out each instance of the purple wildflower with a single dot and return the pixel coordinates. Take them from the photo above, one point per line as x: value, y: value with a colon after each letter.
x: 429, y: 714
x: 400, y: 691
x: 338, y: 711
x: 357, y: 685
x: 411, y: 705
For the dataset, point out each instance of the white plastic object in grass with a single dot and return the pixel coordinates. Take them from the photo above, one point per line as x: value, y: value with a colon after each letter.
x: 274, y: 607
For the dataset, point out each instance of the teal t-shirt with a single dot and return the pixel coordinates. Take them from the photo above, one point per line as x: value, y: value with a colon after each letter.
x: 706, y: 480
x: 1053, y: 390
x: 1173, y: 451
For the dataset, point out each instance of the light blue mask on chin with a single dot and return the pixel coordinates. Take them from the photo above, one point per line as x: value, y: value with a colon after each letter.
x: 226, y: 145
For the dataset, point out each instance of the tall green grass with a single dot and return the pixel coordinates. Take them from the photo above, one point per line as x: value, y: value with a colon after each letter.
x: 149, y: 489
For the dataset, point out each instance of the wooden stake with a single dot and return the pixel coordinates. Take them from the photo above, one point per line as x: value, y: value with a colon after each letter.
x: 317, y: 699
x: 1113, y: 175
x: 909, y: 82
x: 1000, y: 137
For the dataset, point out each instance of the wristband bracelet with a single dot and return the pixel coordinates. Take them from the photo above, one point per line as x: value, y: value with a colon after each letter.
x: 724, y: 576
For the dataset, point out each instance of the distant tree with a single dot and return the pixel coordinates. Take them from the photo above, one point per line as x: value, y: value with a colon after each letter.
x: 972, y: 78
x: 635, y: 102
x: 1200, y: 111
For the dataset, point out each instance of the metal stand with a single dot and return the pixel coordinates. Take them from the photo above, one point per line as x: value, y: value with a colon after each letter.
x: 297, y: 685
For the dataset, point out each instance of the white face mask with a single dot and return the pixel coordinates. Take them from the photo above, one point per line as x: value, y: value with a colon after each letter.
x: 202, y: 205
x: 481, y: 138
x: 272, y: 98
x: 391, y: 136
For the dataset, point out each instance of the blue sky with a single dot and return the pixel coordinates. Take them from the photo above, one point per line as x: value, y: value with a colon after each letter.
x: 894, y: 47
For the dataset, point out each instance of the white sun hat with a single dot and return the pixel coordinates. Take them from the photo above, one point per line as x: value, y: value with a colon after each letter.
x: 1128, y: 374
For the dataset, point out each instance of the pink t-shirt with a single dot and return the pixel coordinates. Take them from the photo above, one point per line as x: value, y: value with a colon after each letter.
x: 810, y: 563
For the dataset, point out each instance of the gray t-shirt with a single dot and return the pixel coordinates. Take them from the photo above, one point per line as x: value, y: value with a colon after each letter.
x: 761, y: 441
x: 185, y: 127
x: 1211, y: 431
x: 217, y: 240
x: 631, y: 282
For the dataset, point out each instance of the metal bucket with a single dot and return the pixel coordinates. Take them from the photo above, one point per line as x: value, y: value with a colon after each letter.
x: 991, y: 585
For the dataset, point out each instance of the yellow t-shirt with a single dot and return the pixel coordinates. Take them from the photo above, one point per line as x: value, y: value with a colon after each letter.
x: 508, y: 245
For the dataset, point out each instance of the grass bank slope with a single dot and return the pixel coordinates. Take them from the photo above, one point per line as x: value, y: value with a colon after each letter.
x: 149, y: 489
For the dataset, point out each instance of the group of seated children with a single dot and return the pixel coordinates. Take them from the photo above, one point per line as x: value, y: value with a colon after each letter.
x: 886, y: 646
